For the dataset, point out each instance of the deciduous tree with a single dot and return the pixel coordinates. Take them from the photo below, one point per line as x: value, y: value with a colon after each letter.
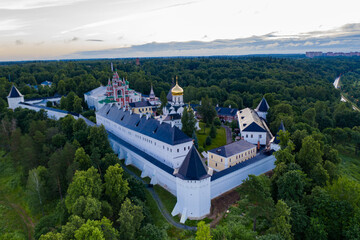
x: 116, y: 188
x: 86, y: 184
x: 256, y: 197
x: 203, y: 231
x: 130, y: 218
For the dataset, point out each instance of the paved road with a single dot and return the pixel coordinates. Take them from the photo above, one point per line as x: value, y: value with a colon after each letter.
x: 159, y: 203
x: 344, y: 99
x: 228, y: 134
x: 347, y: 100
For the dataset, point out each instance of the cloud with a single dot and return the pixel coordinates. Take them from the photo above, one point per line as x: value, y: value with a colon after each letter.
x: 174, y: 5
x: 33, y: 4
x: 19, y: 42
x: 308, y: 43
x: 272, y: 45
x: 11, y: 25
x: 129, y: 17
x: 330, y: 43
x: 74, y: 39
x: 94, y: 40
x: 269, y: 43
x: 293, y: 44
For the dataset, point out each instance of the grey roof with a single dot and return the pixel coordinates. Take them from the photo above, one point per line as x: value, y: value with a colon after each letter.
x: 14, y: 92
x: 222, y: 111
x: 175, y: 116
x: 263, y: 106
x: 232, y: 148
x: 254, y: 127
x: 192, y: 167
x: 250, y: 121
x: 46, y: 98
x: 49, y: 108
x: 100, y: 89
x: 150, y: 127
x: 140, y: 104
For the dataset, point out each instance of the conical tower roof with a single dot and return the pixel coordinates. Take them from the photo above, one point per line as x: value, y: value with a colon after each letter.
x: 192, y: 167
x: 14, y: 92
x: 281, y: 127
x: 152, y: 94
x: 263, y: 106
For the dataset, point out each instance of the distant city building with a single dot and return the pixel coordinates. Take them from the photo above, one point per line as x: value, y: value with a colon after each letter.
x: 331, y: 54
x: 229, y: 155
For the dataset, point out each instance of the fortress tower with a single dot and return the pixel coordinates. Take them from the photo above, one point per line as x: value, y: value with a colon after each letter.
x: 192, y: 188
x: 14, y: 98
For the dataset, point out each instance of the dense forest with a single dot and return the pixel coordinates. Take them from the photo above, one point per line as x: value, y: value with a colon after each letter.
x: 76, y: 189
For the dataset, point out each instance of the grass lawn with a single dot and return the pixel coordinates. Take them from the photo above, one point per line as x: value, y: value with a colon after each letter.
x: 167, y: 198
x: 159, y: 220
x: 14, y: 215
x: 350, y: 166
x: 138, y: 173
x: 220, y: 139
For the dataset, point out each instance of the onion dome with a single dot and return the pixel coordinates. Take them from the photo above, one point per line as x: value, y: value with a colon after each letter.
x: 177, y: 90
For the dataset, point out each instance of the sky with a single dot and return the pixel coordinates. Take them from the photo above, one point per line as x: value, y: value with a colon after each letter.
x: 57, y: 29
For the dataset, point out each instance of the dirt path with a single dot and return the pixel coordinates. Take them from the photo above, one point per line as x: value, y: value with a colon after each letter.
x: 24, y: 216
x: 220, y: 204
x: 26, y: 219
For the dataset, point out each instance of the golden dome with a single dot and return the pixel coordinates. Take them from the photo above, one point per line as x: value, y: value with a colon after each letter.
x: 177, y: 90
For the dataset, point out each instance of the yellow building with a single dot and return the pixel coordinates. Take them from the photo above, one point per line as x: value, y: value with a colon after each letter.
x: 229, y: 155
x: 144, y: 107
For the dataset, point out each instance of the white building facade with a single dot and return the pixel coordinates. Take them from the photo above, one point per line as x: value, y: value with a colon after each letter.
x: 253, y: 128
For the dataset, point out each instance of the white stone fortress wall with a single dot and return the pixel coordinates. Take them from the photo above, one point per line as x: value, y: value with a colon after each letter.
x: 159, y: 174
x: 51, y: 112
x: 233, y: 177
